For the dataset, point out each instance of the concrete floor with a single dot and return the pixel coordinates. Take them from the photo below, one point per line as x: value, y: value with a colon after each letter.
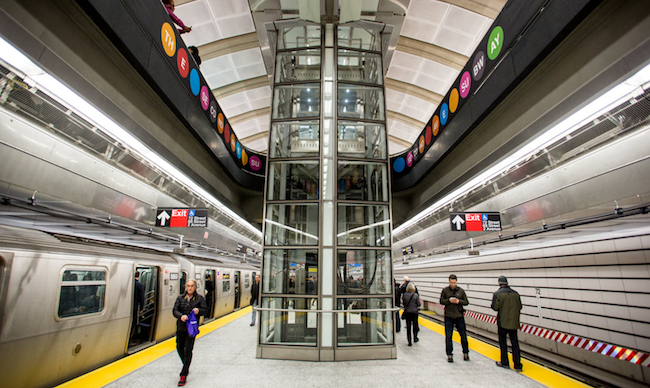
x: 226, y: 358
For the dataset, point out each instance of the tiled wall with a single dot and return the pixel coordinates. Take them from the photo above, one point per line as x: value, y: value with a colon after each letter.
x: 599, y: 289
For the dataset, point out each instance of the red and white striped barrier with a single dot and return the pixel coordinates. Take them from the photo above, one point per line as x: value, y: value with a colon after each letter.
x: 633, y: 356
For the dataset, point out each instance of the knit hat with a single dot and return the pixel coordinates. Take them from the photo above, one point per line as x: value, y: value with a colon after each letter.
x: 503, y: 280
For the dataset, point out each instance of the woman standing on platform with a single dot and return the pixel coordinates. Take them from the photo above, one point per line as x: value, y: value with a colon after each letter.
x: 186, y: 303
x: 411, y: 302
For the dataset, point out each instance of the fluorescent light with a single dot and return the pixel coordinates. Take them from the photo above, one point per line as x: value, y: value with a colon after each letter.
x: 290, y: 228
x: 69, y: 98
x: 363, y: 227
x: 627, y: 89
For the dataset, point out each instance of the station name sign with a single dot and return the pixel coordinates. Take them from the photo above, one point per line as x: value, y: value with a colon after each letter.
x: 169, y: 217
x: 475, y: 222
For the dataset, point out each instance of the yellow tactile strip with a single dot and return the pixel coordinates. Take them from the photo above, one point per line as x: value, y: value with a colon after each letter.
x: 537, y: 372
x: 126, y: 365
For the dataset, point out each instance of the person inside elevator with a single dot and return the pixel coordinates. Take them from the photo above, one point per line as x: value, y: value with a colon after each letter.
x: 454, y: 298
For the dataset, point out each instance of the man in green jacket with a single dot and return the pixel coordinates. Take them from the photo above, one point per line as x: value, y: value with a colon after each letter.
x: 454, y: 298
x: 507, y: 303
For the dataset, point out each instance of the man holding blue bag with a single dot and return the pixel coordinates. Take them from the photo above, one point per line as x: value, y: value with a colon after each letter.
x: 187, y: 309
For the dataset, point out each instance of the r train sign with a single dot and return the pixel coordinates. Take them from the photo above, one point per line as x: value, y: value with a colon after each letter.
x: 475, y: 222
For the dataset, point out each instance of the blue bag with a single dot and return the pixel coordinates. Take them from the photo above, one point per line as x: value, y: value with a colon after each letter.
x: 192, y: 324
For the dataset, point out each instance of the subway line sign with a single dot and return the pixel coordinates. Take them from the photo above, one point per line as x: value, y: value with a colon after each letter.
x: 475, y: 222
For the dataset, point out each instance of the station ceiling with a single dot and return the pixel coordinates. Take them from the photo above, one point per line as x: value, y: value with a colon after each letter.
x: 435, y: 41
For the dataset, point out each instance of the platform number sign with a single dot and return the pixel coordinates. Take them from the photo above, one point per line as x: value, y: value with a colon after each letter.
x: 475, y: 222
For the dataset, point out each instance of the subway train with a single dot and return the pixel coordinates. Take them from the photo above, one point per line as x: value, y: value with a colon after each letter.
x: 66, y: 307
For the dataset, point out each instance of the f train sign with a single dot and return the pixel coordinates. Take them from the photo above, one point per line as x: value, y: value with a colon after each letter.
x: 475, y: 222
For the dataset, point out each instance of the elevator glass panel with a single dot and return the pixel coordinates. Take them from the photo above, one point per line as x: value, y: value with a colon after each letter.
x: 364, y: 328
x: 363, y: 181
x: 355, y: 66
x: 289, y: 327
x: 291, y: 224
x: 294, y: 139
x: 363, y: 225
x: 289, y: 180
x: 361, y: 102
x: 363, y: 272
x: 361, y: 140
x: 290, y: 271
x: 300, y: 65
x: 295, y: 101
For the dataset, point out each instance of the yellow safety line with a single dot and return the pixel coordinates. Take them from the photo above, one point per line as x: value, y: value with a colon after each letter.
x: 111, y: 372
x: 537, y: 372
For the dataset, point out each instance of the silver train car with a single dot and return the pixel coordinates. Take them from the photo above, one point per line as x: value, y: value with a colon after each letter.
x: 67, y: 308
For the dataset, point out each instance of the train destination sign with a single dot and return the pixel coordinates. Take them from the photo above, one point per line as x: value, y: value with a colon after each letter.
x: 475, y: 222
x: 181, y: 217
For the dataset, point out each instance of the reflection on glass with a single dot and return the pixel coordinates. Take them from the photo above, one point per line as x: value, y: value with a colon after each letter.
x: 359, y: 66
x: 293, y: 180
x: 303, y: 65
x: 289, y: 327
x: 296, y: 101
x: 291, y: 271
x: 361, y: 140
x: 363, y: 225
x: 363, y: 181
x: 363, y: 328
x: 294, y: 140
x: 295, y: 224
x: 363, y: 272
x: 361, y: 102
x: 296, y: 37
x: 360, y: 38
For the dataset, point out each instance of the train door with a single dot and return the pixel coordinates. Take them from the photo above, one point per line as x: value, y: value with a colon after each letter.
x: 144, y: 308
x: 210, y: 296
x: 237, y: 286
x: 183, y: 280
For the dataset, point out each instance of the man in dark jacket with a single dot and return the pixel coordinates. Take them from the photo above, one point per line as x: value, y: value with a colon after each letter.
x: 454, y: 298
x: 186, y: 303
x: 507, y: 303
x: 255, y: 297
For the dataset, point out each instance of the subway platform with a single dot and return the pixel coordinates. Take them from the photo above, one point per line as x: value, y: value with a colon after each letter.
x: 224, y: 356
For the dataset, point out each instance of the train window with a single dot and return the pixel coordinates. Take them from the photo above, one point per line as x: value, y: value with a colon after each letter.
x: 226, y: 285
x: 247, y: 282
x: 82, y: 292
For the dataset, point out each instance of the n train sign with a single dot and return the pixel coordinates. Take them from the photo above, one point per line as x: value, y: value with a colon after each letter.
x: 475, y: 222
x: 168, y: 217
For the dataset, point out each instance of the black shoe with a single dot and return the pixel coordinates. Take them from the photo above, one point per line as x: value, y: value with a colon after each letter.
x: 519, y: 370
x: 252, y: 324
x: 396, y: 331
x: 466, y: 356
x: 416, y: 339
x: 410, y: 344
x: 500, y: 365
x: 450, y: 358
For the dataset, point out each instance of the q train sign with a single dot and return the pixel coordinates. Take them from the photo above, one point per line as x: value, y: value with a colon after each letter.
x: 475, y: 222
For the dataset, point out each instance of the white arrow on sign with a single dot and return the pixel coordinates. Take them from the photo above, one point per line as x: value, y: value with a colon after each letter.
x: 163, y: 217
x: 139, y: 212
x: 458, y: 220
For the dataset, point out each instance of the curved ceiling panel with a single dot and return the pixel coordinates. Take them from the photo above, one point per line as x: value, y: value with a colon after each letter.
x: 434, y: 42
